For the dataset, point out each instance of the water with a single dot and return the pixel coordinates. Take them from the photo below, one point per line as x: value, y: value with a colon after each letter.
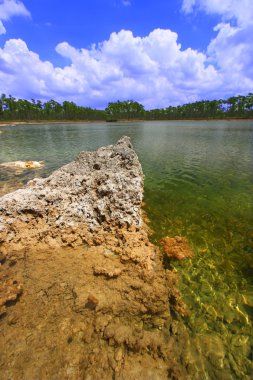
x: 198, y: 184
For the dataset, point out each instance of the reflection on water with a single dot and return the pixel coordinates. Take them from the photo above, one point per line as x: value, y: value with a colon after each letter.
x: 198, y: 183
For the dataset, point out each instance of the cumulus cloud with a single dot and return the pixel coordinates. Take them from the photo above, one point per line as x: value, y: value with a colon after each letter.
x: 154, y: 70
x: 231, y: 51
x: 10, y: 8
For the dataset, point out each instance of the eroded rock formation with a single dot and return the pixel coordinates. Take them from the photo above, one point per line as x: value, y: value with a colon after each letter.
x: 97, y: 302
x: 95, y: 193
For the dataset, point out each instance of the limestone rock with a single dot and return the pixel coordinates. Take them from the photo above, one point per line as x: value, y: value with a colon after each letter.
x: 25, y: 165
x: 77, y: 201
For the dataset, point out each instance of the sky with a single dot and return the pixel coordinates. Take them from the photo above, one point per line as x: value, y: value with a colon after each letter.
x: 159, y: 53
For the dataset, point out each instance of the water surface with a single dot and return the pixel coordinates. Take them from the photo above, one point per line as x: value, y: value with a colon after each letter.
x: 198, y: 184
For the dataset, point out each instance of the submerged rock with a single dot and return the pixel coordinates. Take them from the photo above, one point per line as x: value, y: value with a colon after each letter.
x: 25, y: 165
x: 176, y: 248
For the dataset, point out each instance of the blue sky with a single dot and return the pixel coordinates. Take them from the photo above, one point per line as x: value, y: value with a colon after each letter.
x: 159, y: 53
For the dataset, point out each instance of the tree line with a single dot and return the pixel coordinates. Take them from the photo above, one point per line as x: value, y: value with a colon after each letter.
x: 236, y: 106
x: 22, y: 109
x: 25, y: 110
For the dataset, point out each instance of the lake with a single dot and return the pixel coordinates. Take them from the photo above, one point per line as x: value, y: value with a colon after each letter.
x: 198, y: 184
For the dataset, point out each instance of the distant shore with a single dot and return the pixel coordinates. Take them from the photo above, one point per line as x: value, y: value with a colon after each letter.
x: 18, y: 122
x: 11, y: 123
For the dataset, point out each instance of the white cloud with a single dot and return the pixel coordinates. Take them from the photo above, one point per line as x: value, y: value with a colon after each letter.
x: 241, y: 10
x: 188, y: 5
x: 10, y: 8
x: 153, y: 70
x: 231, y: 51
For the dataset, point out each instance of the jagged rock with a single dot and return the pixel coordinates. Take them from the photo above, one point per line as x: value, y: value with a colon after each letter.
x: 86, y: 196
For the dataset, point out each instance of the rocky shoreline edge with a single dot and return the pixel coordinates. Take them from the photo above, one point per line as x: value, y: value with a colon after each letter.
x: 84, y: 294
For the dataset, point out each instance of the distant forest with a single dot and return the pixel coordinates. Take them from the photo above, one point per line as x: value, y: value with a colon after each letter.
x: 12, y: 109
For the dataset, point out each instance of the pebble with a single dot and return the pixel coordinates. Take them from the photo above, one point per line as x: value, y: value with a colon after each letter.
x: 118, y: 354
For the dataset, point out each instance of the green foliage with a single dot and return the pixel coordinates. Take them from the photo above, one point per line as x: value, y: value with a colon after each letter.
x: 22, y: 109
x: 237, y: 106
x: 128, y: 109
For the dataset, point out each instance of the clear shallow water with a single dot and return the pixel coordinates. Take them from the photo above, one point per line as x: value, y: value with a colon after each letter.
x: 198, y: 183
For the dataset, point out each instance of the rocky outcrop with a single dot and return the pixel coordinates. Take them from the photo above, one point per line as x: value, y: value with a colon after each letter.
x: 96, y: 300
x: 97, y: 192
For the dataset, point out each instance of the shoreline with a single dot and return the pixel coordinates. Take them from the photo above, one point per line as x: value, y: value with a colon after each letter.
x: 14, y: 123
x: 105, y: 307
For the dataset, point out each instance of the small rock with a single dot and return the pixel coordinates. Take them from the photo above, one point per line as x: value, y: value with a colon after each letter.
x: 176, y: 248
x: 118, y: 354
x: 110, y: 272
x: 28, y: 165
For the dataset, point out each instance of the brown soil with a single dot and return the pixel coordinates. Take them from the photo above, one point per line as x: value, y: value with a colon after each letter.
x: 88, y: 313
